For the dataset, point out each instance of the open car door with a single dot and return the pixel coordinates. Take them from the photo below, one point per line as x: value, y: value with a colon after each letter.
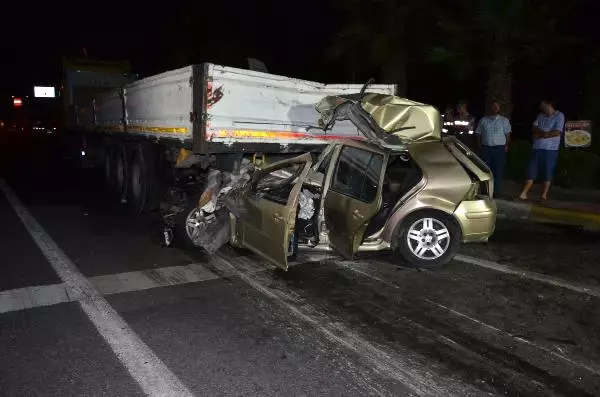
x: 266, y: 213
x: 353, y: 197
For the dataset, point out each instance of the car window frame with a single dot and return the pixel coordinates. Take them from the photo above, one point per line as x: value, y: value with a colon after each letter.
x: 265, y: 194
x: 379, y: 181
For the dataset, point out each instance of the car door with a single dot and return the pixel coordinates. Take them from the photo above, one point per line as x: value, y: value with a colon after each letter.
x: 266, y: 213
x: 354, y: 196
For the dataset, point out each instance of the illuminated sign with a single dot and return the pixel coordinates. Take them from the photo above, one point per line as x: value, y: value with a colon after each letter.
x: 43, y: 92
x: 578, y: 134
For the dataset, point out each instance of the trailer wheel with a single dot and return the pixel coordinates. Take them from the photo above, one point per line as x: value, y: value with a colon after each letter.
x: 110, y: 170
x: 143, y: 183
x: 121, y: 173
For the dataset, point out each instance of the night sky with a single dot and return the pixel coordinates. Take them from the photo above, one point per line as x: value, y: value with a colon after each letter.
x: 292, y: 39
x: 155, y: 39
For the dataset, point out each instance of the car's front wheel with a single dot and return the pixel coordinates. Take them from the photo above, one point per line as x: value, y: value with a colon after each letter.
x: 428, y: 239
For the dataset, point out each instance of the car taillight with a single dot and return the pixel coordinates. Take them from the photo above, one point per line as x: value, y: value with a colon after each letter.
x: 484, y: 189
x: 478, y: 190
x: 473, y: 191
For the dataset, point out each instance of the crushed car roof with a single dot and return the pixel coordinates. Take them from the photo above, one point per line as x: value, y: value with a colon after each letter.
x: 387, y: 116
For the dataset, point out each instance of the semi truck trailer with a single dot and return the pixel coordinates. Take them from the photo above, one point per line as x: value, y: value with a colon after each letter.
x: 165, y: 141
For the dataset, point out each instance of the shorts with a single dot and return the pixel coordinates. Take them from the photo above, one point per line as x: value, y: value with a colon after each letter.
x: 543, y: 161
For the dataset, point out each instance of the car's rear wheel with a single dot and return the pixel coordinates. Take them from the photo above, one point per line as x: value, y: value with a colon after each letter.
x: 428, y: 239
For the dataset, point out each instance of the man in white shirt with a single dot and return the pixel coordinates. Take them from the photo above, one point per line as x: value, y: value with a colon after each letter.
x: 493, y: 136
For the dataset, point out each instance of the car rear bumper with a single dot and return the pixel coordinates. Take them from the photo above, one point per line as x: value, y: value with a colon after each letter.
x: 477, y: 219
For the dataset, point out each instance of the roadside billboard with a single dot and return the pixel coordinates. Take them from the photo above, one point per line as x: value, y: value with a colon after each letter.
x: 44, y: 92
x: 578, y: 134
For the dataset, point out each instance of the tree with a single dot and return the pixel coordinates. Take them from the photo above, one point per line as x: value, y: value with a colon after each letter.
x: 377, y: 32
x: 496, y: 35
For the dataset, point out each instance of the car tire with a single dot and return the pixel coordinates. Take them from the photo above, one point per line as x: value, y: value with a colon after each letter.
x: 183, y: 228
x: 428, y: 239
x: 188, y: 201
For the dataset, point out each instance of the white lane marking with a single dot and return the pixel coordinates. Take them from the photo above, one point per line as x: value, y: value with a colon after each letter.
x: 151, y: 278
x: 591, y: 368
x: 404, y: 370
x: 109, y: 284
x: 29, y: 297
x: 154, y: 378
x: 554, y: 281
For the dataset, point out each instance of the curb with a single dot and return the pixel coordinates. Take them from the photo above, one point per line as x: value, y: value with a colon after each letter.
x: 544, y: 214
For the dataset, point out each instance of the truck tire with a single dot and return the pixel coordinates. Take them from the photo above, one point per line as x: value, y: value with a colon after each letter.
x: 110, y: 170
x: 428, y: 229
x: 121, y: 173
x: 143, y: 188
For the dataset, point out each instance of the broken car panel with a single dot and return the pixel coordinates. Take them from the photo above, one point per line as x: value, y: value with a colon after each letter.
x: 266, y: 212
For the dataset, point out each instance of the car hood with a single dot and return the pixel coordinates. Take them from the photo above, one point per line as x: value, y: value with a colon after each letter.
x: 388, y: 118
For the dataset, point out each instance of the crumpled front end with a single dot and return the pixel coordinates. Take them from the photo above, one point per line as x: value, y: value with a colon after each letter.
x: 204, y: 218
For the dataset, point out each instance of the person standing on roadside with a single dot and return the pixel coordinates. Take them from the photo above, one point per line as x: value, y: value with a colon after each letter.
x: 448, y: 120
x: 493, y: 136
x: 464, y: 126
x: 463, y: 121
x: 547, y: 131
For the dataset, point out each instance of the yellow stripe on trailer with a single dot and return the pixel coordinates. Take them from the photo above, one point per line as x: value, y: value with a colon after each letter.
x: 261, y: 134
x: 118, y: 128
x: 145, y: 128
x: 159, y: 130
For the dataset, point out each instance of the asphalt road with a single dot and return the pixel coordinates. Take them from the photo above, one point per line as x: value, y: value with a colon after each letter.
x: 91, y: 304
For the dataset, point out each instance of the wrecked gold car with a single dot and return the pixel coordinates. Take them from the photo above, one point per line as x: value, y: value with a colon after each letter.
x: 401, y: 188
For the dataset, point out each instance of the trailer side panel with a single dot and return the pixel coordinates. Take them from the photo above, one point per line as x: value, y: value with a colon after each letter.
x: 249, y: 108
x: 161, y: 106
